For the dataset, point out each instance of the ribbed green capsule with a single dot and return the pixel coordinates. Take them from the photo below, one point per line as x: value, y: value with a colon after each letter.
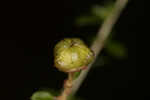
x: 71, y: 54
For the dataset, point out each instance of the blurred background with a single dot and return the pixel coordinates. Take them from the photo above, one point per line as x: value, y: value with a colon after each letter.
x: 33, y: 28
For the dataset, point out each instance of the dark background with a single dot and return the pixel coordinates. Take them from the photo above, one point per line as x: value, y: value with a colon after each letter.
x: 31, y: 29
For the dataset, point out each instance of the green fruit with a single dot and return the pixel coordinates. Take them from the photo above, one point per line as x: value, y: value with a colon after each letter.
x: 71, y: 54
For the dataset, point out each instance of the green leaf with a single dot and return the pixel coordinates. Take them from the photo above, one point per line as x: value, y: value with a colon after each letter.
x: 87, y: 20
x: 102, y: 11
x: 51, y: 91
x: 97, y: 15
x: 116, y: 49
x: 42, y: 95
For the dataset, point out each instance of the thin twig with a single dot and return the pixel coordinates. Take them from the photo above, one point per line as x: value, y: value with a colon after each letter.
x: 102, y: 35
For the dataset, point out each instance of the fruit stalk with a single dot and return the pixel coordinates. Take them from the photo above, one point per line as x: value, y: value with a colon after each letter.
x: 67, y: 87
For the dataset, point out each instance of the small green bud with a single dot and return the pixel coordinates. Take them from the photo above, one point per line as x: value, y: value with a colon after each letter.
x: 71, y: 54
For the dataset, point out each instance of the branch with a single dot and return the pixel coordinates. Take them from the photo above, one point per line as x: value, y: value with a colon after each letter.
x: 102, y: 35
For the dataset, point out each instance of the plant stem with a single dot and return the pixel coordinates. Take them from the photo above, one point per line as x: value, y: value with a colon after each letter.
x: 67, y: 87
x: 102, y: 35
